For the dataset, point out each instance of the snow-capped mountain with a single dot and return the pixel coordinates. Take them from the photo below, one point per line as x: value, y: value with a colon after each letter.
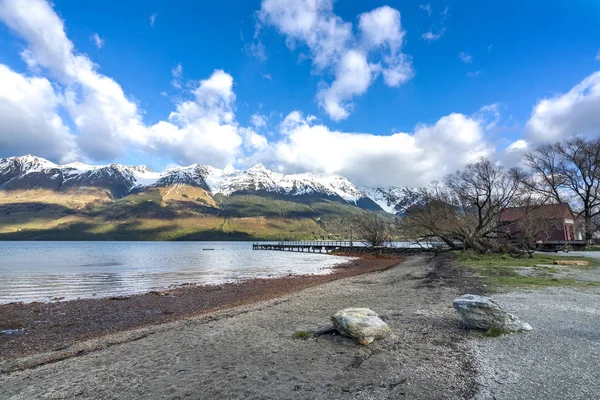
x: 394, y: 200
x: 30, y: 172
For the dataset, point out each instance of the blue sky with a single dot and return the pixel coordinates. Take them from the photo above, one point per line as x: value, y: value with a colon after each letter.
x: 472, y: 75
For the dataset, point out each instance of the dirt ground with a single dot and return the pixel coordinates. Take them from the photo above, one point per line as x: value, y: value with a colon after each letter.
x: 250, y: 352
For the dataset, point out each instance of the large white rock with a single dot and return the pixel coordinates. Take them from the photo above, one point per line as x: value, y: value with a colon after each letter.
x: 484, y: 313
x: 361, y: 324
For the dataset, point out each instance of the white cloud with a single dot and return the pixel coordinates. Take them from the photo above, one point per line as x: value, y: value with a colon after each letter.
x: 107, y: 122
x: 96, y: 104
x: 488, y: 116
x: 426, y: 8
x: 253, y: 142
x: 381, y: 27
x: 431, y: 37
x: 267, y: 76
x: 412, y: 159
x: 153, y: 19
x: 257, y: 50
x: 177, y: 73
x: 202, y: 129
x: 598, y: 55
x: 473, y: 74
x: 98, y: 41
x: 465, y: 57
x: 258, y: 120
x: 312, y: 22
x: 29, y: 118
x: 335, y: 48
x: 566, y: 115
x: 353, y: 77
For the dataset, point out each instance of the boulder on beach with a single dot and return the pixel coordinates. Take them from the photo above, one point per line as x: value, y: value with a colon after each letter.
x: 484, y: 313
x: 361, y: 324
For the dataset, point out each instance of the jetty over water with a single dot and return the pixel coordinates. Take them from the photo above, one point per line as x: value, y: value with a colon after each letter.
x: 323, y: 246
x: 327, y: 246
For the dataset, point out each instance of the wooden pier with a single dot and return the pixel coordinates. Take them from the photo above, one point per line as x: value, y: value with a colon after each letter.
x: 327, y: 246
x: 323, y: 246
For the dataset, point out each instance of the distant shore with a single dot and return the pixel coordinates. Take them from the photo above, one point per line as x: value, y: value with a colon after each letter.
x: 44, y: 327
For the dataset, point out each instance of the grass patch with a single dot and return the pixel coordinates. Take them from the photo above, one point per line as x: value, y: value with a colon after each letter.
x: 502, y: 271
x: 471, y: 259
x: 302, y: 334
x: 495, y: 332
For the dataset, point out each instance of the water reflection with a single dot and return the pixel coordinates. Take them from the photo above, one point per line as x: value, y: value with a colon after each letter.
x: 41, y: 271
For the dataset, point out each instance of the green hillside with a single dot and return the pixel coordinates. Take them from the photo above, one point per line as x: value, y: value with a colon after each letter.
x: 171, y: 214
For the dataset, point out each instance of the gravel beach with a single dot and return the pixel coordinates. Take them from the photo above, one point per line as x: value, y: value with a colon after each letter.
x: 558, y: 359
x: 250, y: 352
x: 56, y: 326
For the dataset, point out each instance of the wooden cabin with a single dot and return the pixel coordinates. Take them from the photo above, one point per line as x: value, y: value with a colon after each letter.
x: 547, y: 223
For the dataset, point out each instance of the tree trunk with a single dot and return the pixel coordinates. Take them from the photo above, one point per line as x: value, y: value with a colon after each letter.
x: 589, y: 234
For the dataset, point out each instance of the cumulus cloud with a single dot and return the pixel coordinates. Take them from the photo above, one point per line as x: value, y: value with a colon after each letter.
x: 107, y: 122
x: 201, y: 129
x: 98, y: 41
x: 353, y: 77
x: 381, y: 28
x: 335, y: 48
x: 103, y: 115
x: 258, y: 120
x: 412, y: 159
x: 566, y: 115
x: 29, y: 118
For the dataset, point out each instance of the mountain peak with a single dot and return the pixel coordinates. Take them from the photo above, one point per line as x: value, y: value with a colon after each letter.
x: 32, y: 162
x: 258, y: 168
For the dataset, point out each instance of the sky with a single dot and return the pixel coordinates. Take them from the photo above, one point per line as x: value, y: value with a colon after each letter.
x: 382, y: 92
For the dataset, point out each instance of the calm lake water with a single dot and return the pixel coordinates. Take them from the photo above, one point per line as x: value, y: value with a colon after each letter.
x: 41, y: 271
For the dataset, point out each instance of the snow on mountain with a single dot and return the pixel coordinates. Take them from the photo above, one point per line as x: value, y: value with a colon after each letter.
x: 25, y: 164
x: 394, y: 200
x: 31, y: 171
x: 259, y: 178
x: 192, y: 175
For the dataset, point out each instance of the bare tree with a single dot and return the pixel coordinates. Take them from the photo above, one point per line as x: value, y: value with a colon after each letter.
x: 374, y: 229
x: 464, y: 211
x: 568, y: 171
x: 546, y: 177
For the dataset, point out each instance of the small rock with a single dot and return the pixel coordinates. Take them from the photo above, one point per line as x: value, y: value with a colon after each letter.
x: 361, y: 324
x: 484, y: 313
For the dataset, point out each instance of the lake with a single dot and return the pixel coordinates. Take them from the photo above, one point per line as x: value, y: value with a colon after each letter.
x: 42, y: 271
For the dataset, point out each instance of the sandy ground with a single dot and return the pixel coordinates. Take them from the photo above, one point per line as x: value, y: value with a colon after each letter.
x: 249, y: 352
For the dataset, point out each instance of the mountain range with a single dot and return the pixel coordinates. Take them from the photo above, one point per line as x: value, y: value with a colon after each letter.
x: 39, y: 197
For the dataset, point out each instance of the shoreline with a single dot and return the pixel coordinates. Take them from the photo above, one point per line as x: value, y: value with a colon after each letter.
x: 252, y: 351
x: 54, y: 326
